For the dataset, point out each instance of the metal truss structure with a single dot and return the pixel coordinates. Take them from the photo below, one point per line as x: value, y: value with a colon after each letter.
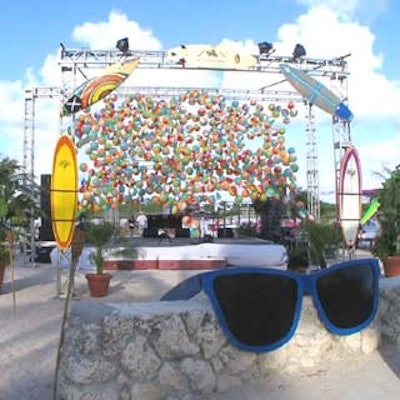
x: 313, y: 203
x: 75, y: 62
x: 88, y: 59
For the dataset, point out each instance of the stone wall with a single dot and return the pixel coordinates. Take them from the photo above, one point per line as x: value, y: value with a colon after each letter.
x: 176, y: 350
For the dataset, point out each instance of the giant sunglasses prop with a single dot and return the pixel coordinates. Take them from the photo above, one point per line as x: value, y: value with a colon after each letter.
x: 259, y: 308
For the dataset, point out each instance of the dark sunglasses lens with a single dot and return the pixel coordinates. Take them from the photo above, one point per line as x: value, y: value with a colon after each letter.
x: 347, y: 295
x: 259, y: 309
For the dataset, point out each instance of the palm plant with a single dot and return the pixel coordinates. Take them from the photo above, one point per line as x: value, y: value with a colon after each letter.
x: 319, y: 237
x: 17, y: 194
x: 17, y: 200
x: 98, y: 235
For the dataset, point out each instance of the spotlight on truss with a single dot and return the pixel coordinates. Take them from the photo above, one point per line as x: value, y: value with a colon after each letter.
x: 265, y: 48
x: 299, y: 51
x: 123, y: 45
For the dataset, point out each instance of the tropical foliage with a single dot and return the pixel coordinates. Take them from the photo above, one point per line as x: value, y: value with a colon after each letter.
x: 271, y: 212
x: 321, y: 237
x: 4, y: 250
x: 388, y: 242
x: 17, y: 202
x: 17, y: 195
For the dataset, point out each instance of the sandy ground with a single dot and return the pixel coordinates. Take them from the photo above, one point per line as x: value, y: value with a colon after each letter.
x: 29, y: 337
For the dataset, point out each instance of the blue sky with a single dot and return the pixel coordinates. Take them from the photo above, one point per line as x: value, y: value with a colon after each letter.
x: 30, y: 30
x: 31, y: 33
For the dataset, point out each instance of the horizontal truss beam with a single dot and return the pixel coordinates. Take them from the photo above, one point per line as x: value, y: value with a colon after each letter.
x: 167, y: 92
x: 88, y: 59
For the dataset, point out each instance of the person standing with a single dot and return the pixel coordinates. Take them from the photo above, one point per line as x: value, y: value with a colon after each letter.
x: 142, y: 223
x: 131, y: 223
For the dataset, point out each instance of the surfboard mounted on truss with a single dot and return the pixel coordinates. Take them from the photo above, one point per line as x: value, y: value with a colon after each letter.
x: 210, y: 57
x: 316, y: 93
x: 95, y: 89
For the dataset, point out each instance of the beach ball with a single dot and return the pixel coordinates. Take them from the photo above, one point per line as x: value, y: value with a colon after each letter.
x: 187, y: 220
x: 174, y: 209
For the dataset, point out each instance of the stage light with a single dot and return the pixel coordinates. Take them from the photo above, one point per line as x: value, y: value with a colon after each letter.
x: 299, y: 51
x: 265, y: 48
x: 123, y: 45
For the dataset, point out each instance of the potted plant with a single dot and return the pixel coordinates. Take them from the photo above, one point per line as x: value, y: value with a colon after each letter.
x: 98, y: 236
x: 387, y: 244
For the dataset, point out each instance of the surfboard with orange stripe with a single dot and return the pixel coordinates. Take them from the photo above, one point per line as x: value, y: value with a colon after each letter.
x: 95, y: 89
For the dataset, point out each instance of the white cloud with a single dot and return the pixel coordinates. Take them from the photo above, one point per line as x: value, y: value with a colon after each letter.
x: 49, y: 74
x: 11, y: 123
x: 378, y: 155
x: 10, y: 100
x: 342, y: 8
x: 349, y: 8
x: 104, y: 35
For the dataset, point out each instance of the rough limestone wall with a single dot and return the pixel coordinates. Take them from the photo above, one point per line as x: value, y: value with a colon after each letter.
x: 176, y: 350
x: 388, y: 319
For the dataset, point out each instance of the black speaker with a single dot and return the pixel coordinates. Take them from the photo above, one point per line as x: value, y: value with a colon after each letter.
x: 150, y: 233
x: 164, y: 221
x: 46, y: 230
x: 43, y: 254
x: 182, y: 233
x: 225, y: 233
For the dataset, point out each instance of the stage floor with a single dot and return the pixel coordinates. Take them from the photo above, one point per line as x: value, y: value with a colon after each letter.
x: 186, y: 253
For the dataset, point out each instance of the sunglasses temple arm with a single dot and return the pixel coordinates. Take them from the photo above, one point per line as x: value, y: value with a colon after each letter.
x: 184, y: 290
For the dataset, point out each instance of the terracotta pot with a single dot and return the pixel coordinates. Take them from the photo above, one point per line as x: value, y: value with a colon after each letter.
x: 98, y: 284
x: 391, y: 266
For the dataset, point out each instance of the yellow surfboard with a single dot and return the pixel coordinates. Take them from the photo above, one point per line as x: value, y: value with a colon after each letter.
x: 209, y: 56
x: 64, y: 192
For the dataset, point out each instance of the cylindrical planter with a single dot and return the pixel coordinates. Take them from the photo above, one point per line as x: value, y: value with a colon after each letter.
x: 98, y: 284
x: 391, y: 266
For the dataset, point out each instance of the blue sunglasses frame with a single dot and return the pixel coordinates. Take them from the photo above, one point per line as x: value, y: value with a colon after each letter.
x: 306, y: 284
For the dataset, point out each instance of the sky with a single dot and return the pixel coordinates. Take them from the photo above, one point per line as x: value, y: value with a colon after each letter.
x: 31, y: 33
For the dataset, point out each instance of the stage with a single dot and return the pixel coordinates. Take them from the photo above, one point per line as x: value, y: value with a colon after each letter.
x: 184, y: 254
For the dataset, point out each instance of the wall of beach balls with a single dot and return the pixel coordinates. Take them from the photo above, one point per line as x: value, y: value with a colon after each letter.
x: 183, y: 150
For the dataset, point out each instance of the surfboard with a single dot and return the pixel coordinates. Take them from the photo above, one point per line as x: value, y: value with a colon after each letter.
x: 372, y: 210
x: 95, y: 89
x: 316, y: 93
x: 64, y: 192
x: 349, y: 196
x: 209, y: 56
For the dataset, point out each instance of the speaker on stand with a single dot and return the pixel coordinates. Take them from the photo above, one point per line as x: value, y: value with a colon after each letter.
x: 46, y: 230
